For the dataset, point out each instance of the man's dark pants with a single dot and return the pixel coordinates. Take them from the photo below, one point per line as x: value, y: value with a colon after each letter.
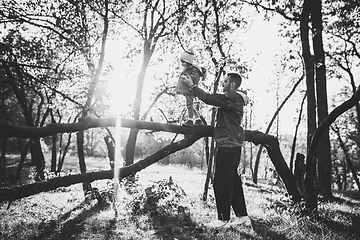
x: 227, y: 183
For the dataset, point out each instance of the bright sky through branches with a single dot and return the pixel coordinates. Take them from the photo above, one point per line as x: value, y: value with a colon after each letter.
x: 261, y: 46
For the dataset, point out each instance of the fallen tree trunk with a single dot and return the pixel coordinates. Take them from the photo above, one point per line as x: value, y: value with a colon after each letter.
x: 10, y: 130
x: 10, y: 194
x: 192, y: 134
x: 272, y: 146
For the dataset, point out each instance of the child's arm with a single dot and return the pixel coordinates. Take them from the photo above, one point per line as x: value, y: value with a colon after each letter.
x: 186, y: 79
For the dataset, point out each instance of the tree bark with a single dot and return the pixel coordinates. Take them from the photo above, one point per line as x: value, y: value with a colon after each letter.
x: 23, y: 155
x: 293, y: 146
x: 324, y: 153
x: 17, y: 83
x: 3, y: 158
x: 54, y: 138
x: 10, y: 194
x: 131, y: 142
x: 63, y: 153
x: 53, y: 153
x: 272, y: 146
x: 95, y: 73
x: 347, y: 69
x: 299, y: 172
x: 257, y: 161
x: 192, y: 134
x: 310, y: 184
x: 111, y: 150
x: 347, y: 158
x: 312, y: 152
x: 38, y: 156
x: 81, y: 155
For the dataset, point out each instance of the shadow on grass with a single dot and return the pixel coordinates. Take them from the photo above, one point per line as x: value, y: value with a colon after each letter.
x: 177, y: 226
x: 183, y: 228
x: 340, y: 227
x: 328, y: 219
x: 264, y: 232
x: 68, y: 227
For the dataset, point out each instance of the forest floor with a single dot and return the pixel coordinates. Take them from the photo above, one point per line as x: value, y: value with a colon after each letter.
x: 155, y: 207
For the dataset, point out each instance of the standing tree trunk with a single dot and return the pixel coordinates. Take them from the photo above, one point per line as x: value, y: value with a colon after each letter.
x: 299, y: 172
x: 81, y: 155
x: 131, y: 142
x: 134, y: 132
x: 53, y: 153
x: 24, y: 152
x: 17, y: 83
x: 311, y: 198
x: 95, y: 72
x: 111, y: 150
x: 3, y: 158
x: 347, y: 69
x: 153, y: 28
x: 293, y: 146
x: 38, y: 156
x: 54, y: 148
x: 347, y: 159
x: 212, y: 158
x: 63, y: 152
x: 324, y: 155
x: 310, y: 183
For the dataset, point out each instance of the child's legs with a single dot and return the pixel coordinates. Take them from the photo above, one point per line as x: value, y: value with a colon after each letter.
x: 190, y: 106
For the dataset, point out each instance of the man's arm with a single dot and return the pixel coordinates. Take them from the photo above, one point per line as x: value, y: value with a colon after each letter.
x: 219, y: 100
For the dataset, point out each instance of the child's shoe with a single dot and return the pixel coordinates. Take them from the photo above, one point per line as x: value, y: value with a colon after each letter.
x: 188, y: 123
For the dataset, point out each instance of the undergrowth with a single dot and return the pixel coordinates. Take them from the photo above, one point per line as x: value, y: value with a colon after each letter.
x: 163, y: 210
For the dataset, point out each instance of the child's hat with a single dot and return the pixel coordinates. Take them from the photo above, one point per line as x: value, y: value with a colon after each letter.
x: 188, y: 56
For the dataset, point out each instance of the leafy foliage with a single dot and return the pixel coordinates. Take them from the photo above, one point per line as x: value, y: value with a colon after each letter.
x: 161, y: 198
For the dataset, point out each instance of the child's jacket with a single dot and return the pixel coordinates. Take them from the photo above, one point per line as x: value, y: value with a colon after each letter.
x: 194, y: 73
x: 230, y: 111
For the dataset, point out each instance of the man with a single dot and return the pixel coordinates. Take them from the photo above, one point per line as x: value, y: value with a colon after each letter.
x: 229, y: 137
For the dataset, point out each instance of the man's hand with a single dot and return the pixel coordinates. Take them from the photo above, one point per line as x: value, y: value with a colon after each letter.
x: 187, y: 80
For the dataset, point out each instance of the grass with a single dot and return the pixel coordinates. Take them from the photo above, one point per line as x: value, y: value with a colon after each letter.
x: 66, y: 214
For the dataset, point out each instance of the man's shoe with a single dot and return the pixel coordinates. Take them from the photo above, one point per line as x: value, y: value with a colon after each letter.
x: 243, y: 221
x: 198, y: 122
x: 218, y: 224
x: 188, y: 123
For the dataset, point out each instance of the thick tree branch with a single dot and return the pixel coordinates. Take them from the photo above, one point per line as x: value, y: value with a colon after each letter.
x: 9, y: 130
x: 11, y: 194
x: 324, y: 125
x: 192, y: 134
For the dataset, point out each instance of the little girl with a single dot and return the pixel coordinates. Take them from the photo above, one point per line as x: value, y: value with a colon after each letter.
x: 195, y: 73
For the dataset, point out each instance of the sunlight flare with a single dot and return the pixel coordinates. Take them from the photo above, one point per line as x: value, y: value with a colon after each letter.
x: 118, y: 161
x: 118, y: 88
